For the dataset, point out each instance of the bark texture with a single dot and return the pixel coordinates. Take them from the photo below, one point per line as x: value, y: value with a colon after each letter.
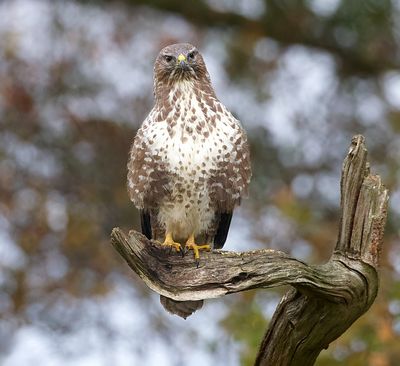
x: 324, y: 299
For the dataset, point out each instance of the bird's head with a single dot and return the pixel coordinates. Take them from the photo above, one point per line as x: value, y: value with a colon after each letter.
x: 177, y: 62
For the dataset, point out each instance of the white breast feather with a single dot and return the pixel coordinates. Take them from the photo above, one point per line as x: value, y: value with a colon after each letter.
x: 192, y: 214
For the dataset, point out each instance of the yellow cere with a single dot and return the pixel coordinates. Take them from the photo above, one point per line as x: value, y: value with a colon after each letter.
x: 181, y: 58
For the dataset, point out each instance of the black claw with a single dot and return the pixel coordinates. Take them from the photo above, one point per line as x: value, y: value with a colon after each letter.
x: 197, y: 262
x: 182, y: 252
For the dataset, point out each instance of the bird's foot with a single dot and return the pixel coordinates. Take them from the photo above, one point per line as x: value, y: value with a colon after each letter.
x: 190, y: 244
x: 169, y: 241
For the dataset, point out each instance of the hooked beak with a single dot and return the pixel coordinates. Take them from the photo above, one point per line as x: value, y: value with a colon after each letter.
x: 182, y: 62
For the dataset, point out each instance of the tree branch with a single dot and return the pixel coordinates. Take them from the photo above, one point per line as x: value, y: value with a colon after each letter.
x: 325, y: 299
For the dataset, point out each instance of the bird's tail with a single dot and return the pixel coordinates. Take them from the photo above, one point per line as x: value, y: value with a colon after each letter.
x: 181, y: 308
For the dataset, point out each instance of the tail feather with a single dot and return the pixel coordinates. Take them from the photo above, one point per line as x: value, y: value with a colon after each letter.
x: 181, y: 308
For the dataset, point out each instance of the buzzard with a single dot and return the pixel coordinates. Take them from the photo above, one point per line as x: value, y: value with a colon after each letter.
x: 189, y: 164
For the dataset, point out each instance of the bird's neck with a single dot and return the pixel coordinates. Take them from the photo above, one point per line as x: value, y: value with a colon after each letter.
x: 182, y: 94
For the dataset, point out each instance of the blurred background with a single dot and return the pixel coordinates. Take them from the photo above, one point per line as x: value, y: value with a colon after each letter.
x: 303, y: 76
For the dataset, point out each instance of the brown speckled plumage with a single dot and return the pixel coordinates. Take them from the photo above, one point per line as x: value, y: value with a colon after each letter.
x: 189, y: 165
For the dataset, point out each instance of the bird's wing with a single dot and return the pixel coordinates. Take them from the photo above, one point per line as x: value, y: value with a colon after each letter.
x: 145, y: 222
x: 224, y: 222
x: 148, y: 180
x: 229, y: 184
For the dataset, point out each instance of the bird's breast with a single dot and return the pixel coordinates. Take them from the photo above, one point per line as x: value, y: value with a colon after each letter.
x: 194, y: 137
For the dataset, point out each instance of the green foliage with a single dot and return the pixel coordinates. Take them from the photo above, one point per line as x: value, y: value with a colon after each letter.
x: 246, y: 324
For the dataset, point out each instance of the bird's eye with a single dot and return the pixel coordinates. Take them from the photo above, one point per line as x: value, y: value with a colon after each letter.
x: 168, y: 58
x: 190, y: 55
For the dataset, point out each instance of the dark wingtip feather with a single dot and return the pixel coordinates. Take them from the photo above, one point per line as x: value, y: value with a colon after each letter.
x: 223, y: 228
x: 146, y: 224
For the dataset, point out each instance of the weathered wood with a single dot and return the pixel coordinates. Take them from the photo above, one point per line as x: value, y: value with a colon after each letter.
x: 325, y: 299
x: 221, y: 272
x: 304, y: 324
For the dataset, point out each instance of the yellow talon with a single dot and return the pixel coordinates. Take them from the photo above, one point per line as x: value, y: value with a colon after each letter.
x: 190, y: 244
x: 169, y: 241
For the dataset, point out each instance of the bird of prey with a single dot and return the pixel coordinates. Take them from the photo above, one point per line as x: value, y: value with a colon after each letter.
x: 189, y: 164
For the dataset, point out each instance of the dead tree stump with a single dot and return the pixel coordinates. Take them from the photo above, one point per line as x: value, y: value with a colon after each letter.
x: 324, y: 299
